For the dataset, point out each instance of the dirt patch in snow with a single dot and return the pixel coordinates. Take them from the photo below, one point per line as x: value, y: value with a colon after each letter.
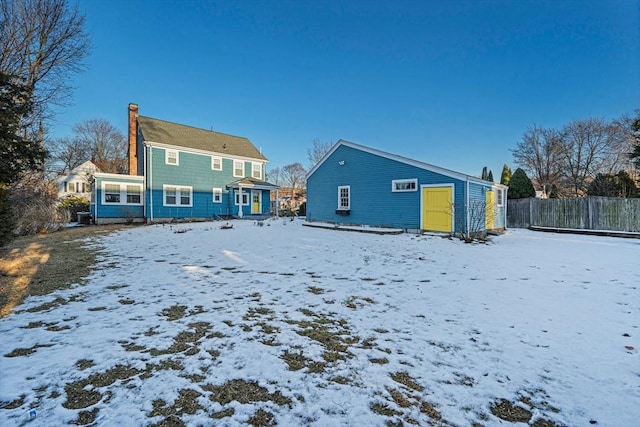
x: 43, y: 263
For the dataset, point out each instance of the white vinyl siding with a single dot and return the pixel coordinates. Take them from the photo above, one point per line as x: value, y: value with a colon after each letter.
x: 174, y: 195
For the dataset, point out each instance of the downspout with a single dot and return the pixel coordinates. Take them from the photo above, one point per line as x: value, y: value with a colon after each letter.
x: 144, y: 174
x: 240, y: 201
x: 151, y: 182
x: 467, y: 209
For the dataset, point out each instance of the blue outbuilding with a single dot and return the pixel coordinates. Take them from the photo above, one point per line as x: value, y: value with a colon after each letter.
x: 358, y: 185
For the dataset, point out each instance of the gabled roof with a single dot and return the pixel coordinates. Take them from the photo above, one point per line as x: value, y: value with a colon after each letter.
x: 406, y: 160
x: 249, y: 182
x: 167, y: 133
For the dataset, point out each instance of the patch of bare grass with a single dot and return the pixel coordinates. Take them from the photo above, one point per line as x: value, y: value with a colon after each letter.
x: 43, y: 263
x: 505, y: 410
x: 80, y: 397
x: 243, y: 391
x: 262, y: 418
x: 405, y: 379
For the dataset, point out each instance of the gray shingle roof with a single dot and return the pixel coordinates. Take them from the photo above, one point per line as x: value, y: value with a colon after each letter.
x: 168, y: 133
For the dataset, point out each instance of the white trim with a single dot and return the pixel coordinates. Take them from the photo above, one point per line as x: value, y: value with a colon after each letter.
x: 453, y: 203
x: 213, y: 159
x: 217, y: 191
x: 167, y: 152
x: 395, y: 182
x: 178, y: 189
x: 405, y: 160
x: 202, y: 152
x: 122, y: 193
x: 499, y: 199
x: 234, y: 168
x: 237, y: 195
x: 348, y: 207
x: 118, y: 176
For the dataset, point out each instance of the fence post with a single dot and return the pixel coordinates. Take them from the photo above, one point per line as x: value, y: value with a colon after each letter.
x: 589, y: 213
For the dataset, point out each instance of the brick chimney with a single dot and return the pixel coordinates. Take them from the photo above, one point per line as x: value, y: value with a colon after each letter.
x: 133, y: 139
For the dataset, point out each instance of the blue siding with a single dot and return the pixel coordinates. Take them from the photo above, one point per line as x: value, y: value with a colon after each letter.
x: 372, y: 201
x: 102, y: 210
x: 194, y: 170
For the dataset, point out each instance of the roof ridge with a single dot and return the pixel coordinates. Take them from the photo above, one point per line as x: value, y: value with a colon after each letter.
x: 192, y: 127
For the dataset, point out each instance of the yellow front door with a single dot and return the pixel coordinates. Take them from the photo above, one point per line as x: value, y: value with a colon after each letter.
x: 437, y: 209
x: 488, y: 210
x: 255, y: 202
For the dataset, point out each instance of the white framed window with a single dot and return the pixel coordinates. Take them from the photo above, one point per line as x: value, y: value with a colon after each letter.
x: 238, y: 168
x: 217, y: 195
x: 256, y: 170
x: 111, y: 193
x: 404, y: 185
x: 174, y: 195
x: 344, y: 197
x: 245, y: 198
x: 216, y: 163
x: 71, y: 187
x: 116, y: 193
x: 134, y: 193
x: 500, y: 197
x: 171, y: 157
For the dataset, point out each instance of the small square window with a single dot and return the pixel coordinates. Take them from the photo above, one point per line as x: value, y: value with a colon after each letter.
x: 171, y: 157
x: 133, y: 194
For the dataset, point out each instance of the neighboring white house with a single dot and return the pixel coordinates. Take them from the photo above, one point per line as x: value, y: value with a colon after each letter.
x: 76, y: 183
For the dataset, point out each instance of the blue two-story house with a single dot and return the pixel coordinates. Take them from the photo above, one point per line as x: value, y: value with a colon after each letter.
x: 179, y: 172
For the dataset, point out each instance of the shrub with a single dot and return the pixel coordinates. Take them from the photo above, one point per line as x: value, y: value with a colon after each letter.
x: 302, y: 210
x: 73, y: 205
x: 7, y: 219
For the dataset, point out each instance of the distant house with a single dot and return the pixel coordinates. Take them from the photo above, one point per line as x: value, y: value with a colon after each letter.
x: 77, y: 182
x: 182, y: 172
x: 355, y: 184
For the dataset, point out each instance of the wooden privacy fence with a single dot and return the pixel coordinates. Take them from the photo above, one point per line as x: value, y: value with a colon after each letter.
x: 588, y: 213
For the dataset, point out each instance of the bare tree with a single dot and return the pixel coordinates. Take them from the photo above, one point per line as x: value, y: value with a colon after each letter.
x: 293, y: 176
x: 43, y: 42
x: 586, y: 151
x: 96, y: 140
x: 316, y: 152
x: 273, y: 176
x: 539, y: 154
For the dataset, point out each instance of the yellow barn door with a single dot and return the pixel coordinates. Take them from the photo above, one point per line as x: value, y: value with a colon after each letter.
x: 437, y: 209
x: 488, y: 210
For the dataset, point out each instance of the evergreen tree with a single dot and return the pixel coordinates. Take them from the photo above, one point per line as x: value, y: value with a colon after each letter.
x: 604, y: 185
x: 520, y: 186
x: 18, y: 153
x: 485, y: 173
x: 490, y: 176
x: 506, y: 175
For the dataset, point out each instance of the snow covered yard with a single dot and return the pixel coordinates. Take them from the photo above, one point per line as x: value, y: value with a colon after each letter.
x: 194, y: 325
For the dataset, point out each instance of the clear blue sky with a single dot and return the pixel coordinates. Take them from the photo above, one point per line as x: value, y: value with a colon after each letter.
x: 451, y: 83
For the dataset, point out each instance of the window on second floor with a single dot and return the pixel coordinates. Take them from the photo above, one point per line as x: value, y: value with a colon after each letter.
x: 216, y: 163
x: 256, y: 170
x: 171, y: 157
x: 238, y: 168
